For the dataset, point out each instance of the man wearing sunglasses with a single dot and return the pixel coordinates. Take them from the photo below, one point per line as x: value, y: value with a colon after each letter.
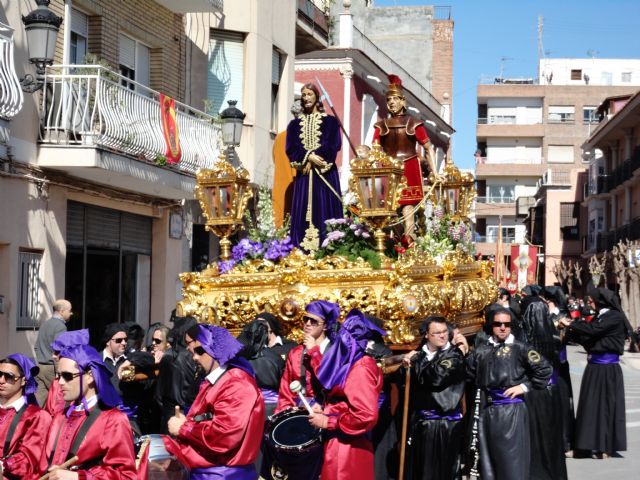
x: 23, y: 424
x: 220, y: 437
x: 115, y: 344
x: 504, y: 369
x: 93, y: 428
x: 319, y: 321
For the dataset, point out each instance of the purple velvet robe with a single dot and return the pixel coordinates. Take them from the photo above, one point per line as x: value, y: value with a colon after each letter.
x: 325, y: 204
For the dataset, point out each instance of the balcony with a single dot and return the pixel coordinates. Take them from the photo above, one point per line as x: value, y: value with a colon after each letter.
x: 312, y: 27
x: 100, y: 126
x: 10, y: 92
x: 507, y: 126
x: 555, y: 178
x: 193, y: 6
x: 523, y: 204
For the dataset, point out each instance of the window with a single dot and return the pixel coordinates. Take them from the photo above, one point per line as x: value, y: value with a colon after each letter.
x: 576, y: 74
x: 589, y: 115
x: 560, y: 154
x: 625, y: 77
x: 569, y: 220
x: 501, y: 193
x: 134, y: 62
x: 29, y: 288
x: 78, y: 37
x: 561, y: 113
x: 225, y: 77
x: 276, y: 73
x: 606, y: 78
x: 508, y: 234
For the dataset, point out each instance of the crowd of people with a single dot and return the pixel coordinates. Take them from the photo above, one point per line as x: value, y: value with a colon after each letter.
x: 261, y: 405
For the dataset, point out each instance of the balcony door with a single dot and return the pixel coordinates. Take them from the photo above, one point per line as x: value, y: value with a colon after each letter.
x: 107, y: 267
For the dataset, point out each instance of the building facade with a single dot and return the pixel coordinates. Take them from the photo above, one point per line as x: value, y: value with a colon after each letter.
x: 99, y: 214
x: 529, y: 163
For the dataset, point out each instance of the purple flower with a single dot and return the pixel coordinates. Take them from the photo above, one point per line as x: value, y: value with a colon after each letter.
x: 246, y: 248
x: 277, y: 249
x: 335, y: 235
x: 224, y: 266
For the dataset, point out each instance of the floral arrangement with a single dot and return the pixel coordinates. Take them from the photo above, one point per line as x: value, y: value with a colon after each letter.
x: 264, y: 240
x: 349, y: 238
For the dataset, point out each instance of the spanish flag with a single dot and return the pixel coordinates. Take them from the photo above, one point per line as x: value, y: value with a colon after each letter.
x: 170, y: 128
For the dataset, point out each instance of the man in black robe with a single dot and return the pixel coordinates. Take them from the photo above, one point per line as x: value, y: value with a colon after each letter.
x: 600, y: 420
x: 544, y: 405
x: 436, y: 430
x: 505, y: 369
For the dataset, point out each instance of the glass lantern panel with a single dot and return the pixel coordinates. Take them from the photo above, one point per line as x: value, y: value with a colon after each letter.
x: 454, y: 196
x: 366, y: 192
x: 382, y: 191
x: 226, y: 200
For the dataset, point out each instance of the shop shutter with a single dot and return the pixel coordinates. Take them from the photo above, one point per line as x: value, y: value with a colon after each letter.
x: 136, y: 233
x: 75, y: 224
x: 103, y: 228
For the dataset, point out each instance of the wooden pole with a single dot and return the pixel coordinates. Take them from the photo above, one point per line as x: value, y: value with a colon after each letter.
x: 66, y: 464
x: 405, y: 415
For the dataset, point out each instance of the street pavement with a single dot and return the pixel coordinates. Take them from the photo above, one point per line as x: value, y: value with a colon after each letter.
x: 627, y: 465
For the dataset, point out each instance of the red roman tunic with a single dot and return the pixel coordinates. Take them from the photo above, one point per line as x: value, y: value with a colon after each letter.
x: 106, y: 453
x: 312, y: 359
x: 233, y: 436
x: 55, y: 403
x: 353, y: 411
x: 24, y: 452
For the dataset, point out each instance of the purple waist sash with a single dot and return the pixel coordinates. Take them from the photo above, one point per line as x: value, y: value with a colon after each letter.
x: 381, y: 398
x: 498, y: 397
x: 603, y: 358
x: 269, y: 396
x: 223, y: 472
x: 563, y: 355
x: 434, y: 415
x: 553, y: 380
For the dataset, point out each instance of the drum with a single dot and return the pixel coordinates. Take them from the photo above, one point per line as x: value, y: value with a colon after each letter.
x: 293, y: 448
x: 156, y: 462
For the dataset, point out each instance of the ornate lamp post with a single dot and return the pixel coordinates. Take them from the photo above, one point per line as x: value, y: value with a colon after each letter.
x: 42, y: 26
x: 223, y: 192
x: 455, y: 192
x: 377, y: 182
x: 232, y: 119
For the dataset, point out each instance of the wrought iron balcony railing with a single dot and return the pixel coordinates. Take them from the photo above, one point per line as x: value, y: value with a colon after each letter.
x: 10, y: 92
x: 89, y: 105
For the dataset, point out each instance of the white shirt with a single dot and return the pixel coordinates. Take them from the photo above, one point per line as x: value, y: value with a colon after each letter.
x: 16, y: 404
x: 215, y: 374
x: 431, y: 354
x: 91, y: 402
x: 106, y: 355
x: 325, y: 343
x: 278, y: 341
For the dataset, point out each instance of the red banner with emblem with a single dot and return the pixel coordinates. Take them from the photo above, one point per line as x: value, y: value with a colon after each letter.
x: 524, y: 267
x: 170, y: 128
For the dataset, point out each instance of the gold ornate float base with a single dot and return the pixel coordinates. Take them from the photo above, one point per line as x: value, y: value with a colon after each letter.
x: 402, y: 294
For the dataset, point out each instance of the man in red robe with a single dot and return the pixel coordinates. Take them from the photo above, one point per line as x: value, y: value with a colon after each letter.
x: 320, y: 319
x: 55, y: 399
x: 23, y: 425
x: 398, y: 136
x: 93, y: 429
x: 220, y: 438
x: 354, y: 383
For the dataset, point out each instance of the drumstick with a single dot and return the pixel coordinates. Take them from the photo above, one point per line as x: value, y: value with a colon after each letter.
x: 177, y: 414
x: 296, y: 387
x: 66, y: 464
x: 405, y: 414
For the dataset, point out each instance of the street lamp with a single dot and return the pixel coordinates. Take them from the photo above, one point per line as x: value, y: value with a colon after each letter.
x: 232, y: 119
x: 42, y: 27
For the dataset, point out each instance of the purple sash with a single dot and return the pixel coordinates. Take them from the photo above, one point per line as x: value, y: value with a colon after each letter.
x: 563, y: 355
x: 553, y: 380
x: 222, y: 472
x: 434, y: 415
x: 269, y: 396
x: 498, y: 398
x: 603, y: 358
x: 381, y: 398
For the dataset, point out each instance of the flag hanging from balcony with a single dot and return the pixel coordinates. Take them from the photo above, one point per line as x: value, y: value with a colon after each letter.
x: 170, y: 128
x: 524, y: 265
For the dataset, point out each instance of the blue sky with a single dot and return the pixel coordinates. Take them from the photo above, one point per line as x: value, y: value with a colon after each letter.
x: 485, y: 31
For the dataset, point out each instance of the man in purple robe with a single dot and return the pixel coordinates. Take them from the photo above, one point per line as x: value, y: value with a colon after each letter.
x: 313, y: 142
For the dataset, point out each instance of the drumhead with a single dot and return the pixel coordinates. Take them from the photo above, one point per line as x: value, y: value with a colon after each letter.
x: 294, y: 432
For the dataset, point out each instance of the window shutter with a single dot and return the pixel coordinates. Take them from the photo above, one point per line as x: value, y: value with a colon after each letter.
x: 75, y: 224
x: 79, y: 23
x: 225, y: 78
x: 103, y: 228
x: 276, y: 68
x: 143, y: 65
x: 136, y: 233
x: 127, y: 52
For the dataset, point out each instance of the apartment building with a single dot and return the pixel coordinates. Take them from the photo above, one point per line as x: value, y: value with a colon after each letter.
x: 529, y: 163
x: 93, y: 207
x: 612, y: 194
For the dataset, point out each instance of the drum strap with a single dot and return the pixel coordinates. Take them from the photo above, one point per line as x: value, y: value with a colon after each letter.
x: 82, y: 432
x: 303, y: 372
x: 12, y: 430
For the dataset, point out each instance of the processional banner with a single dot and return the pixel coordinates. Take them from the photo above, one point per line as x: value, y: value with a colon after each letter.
x: 524, y: 267
x: 170, y: 128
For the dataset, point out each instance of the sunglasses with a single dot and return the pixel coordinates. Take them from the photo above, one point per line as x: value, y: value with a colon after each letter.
x: 10, y: 377
x: 68, y: 376
x: 199, y: 350
x: 119, y: 340
x: 502, y: 324
x: 314, y: 322
x: 156, y: 341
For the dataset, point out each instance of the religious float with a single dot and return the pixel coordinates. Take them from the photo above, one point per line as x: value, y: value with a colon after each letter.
x: 357, y: 265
